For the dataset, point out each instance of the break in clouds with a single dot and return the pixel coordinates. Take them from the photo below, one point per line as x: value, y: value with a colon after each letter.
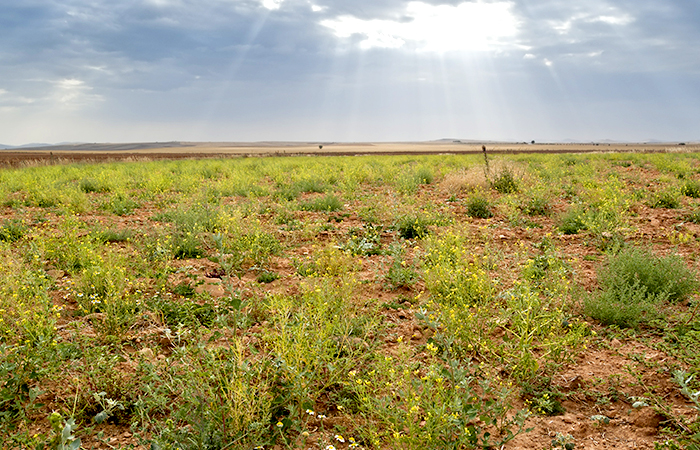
x: 339, y: 70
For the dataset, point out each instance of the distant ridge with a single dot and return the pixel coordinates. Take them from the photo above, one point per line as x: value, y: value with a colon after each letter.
x: 100, y: 147
x: 33, y: 145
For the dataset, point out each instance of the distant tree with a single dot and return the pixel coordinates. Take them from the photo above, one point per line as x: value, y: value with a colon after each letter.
x: 320, y: 147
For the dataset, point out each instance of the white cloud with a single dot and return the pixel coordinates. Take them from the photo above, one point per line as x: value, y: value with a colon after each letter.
x: 272, y: 4
x: 443, y: 28
x: 622, y: 19
x: 71, y: 93
x: 611, y: 16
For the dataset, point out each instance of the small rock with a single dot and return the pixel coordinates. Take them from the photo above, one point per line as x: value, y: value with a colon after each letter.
x: 615, y: 343
x: 211, y: 286
x: 55, y: 273
x: 147, y: 353
x: 574, y: 383
x: 647, y: 418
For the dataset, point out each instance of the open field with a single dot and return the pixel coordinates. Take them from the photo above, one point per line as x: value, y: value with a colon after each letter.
x: 188, y: 150
x: 526, y: 301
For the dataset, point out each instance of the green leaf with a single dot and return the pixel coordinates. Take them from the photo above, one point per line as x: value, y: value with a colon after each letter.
x: 101, y: 417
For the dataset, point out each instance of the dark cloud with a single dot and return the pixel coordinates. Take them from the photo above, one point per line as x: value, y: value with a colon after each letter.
x: 223, y: 61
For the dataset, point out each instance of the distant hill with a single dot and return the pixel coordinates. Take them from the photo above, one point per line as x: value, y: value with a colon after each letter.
x: 33, y: 145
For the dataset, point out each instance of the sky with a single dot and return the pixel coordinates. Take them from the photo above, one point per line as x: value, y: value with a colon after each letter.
x: 348, y: 70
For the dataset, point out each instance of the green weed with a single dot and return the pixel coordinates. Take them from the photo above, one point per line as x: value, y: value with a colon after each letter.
x: 424, y: 175
x: 635, y: 284
x: 478, y: 206
x: 691, y: 188
x: 267, y: 277
x: 505, y: 181
x: 240, y: 251
x: 12, y: 230
x: 572, y: 222
x: 114, y: 236
x: 365, y: 241
x: 100, y: 313
x: 662, y: 278
x: 401, y: 272
x: 329, y: 203
x: 439, y: 405
x: 328, y: 261
x: 693, y: 217
x: 413, y: 226
x: 120, y: 204
x: 90, y: 185
x: 665, y: 199
x: 187, y: 245
x: 536, y: 205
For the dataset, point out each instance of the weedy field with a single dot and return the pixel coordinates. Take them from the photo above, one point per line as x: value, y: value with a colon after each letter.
x: 377, y: 302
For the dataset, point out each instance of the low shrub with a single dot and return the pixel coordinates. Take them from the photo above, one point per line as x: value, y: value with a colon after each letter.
x: 401, y: 273
x: 364, y: 241
x: 310, y: 185
x: 572, y: 221
x: 665, y: 199
x: 625, y: 307
x: 89, y: 185
x: 464, y: 181
x: 691, y: 188
x: 424, y: 175
x: 12, y: 230
x: 505, y: 181
x: 479, y: 207
x: 267, y: 277
x: 120, y: 205
x: 635, y: 284
x: 660, y: 276
x: 412, y: 227
x: 536, y: 206
x: 693, y: 217
x: 328, y: 203
x: 112, y: 236
x: 187, y: 245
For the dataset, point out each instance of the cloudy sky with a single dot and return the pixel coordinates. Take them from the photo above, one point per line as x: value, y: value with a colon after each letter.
x: 348, y: 70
